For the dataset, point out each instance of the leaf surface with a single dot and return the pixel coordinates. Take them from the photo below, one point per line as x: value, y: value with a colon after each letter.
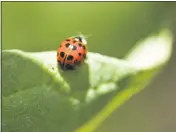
x: 38, y: 96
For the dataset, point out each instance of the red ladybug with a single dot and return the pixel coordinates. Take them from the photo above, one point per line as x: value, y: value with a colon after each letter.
x: 72, y: 52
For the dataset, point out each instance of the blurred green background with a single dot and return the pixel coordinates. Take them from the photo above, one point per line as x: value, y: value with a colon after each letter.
x: 115, y: 28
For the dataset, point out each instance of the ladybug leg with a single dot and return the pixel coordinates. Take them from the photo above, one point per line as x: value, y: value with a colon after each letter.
x: 60, y: 65
x: 69, y: 67
x: 74, y: 68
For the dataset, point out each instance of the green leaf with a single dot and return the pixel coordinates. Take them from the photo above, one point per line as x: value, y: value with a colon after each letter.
x: 38, y: 96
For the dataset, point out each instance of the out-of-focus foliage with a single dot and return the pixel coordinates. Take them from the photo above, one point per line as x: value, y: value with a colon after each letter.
x: 115, y: 26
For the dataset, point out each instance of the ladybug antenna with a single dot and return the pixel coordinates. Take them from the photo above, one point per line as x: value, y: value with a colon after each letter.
x: 84, y: 36
x: 87, y: 36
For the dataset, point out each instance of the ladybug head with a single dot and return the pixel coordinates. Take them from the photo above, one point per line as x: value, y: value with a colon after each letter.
x: 81, y: 38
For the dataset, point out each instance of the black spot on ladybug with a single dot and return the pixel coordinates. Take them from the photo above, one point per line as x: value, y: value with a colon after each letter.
x: 80, y: 45
x: 74, y: 41
x: 74, y: 47
x: 68, y: 66
x: 79, y: 38
x: 84, y: 55
x: 75, y: 61
x: 84, y: 47
x: 79, y: 54
x: 62, y: 54
x: 70, y: 57
x: 67, y: 45
x: 67, y: 40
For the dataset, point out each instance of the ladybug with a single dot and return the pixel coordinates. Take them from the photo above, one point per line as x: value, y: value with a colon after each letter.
x: 72, y: 52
